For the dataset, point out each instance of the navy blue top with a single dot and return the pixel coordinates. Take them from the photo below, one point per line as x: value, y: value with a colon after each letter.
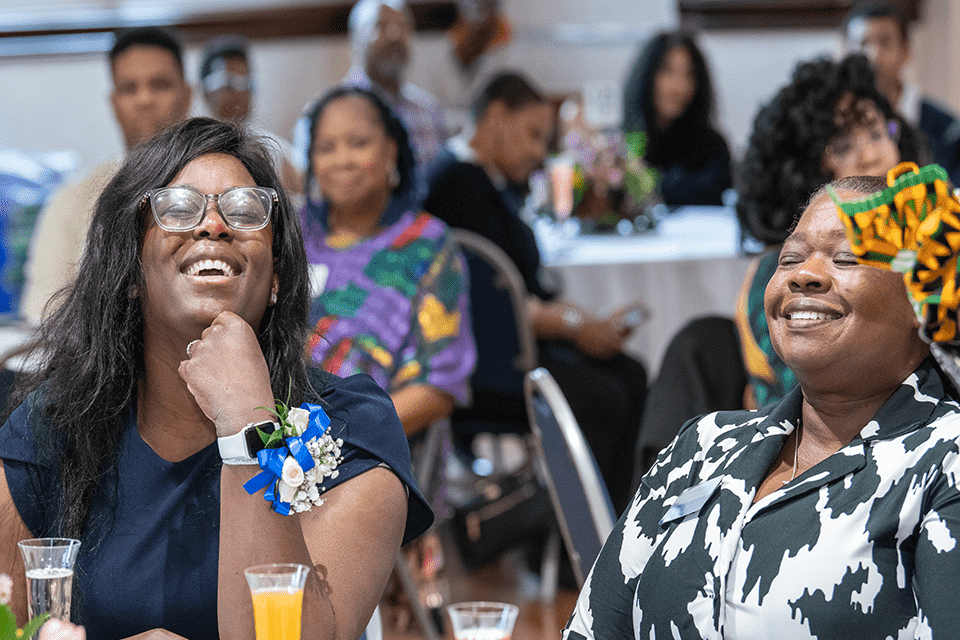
x: 151, y: 547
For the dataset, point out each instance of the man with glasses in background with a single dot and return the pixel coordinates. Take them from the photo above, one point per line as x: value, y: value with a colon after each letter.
x: 226, y: 80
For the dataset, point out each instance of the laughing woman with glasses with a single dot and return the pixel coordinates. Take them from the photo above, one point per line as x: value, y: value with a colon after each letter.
x: 187, y: 320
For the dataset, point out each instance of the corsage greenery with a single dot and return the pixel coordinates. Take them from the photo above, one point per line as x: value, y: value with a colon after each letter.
x: 8, y: 622
x: 296, y: 458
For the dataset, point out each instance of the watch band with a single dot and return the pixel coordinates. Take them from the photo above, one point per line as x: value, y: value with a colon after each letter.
x: 238, y: 446
x: 235, y: 462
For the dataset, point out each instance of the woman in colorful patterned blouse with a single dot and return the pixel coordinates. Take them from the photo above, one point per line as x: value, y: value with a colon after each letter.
x: 389, y: 289
x: 833, y: 514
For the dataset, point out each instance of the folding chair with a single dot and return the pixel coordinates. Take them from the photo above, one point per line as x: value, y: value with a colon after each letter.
x: 580, y: 499
x: 506, y: 348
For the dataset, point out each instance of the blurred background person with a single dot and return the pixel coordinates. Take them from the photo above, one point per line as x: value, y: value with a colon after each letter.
x: 476, y: 43
x: 381, y: 32
x: 880, y: 31
x: 829, y: 122
x: 470, y: 189
x: 669, y: 97
x: 389, y: 288
x: 149, y: 93
x: 227, y: 83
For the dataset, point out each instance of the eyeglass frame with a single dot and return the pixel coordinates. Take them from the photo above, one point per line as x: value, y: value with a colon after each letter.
x: 148, y: 200
x: 221, y: 78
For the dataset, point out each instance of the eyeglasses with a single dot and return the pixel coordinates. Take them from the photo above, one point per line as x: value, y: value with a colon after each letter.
x: 183, y: 208
x: 223, y: 79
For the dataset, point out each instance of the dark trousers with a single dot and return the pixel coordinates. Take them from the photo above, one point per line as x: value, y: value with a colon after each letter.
x: 607, y: 398
x: 702, y: 371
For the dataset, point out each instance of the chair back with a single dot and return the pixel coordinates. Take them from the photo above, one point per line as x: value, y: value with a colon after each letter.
x: 580, y: 499
x: 506, y: 349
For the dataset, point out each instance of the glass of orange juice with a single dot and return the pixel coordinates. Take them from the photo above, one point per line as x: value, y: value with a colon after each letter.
x: 277, y: 591
x: 482, y: 620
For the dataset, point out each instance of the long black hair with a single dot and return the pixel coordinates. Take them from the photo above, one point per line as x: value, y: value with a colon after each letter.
x: 91, y: 345
x: 406, y: 163
x: 681, y: 141
x: 783, y: 164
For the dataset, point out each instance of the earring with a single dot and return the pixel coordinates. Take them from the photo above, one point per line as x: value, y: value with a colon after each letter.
x: 394, y: 177
x: 273, y: 298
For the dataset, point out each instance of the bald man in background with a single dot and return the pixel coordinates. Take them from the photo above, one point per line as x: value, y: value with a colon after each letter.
x: 381, y: 32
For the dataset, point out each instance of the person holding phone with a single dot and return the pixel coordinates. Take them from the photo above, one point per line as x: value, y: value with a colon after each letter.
x: 471, y: 188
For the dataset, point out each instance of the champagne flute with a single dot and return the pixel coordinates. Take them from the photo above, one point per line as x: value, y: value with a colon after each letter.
x: 561, y: 180
x: 277, y: 592
x: 49, y: 568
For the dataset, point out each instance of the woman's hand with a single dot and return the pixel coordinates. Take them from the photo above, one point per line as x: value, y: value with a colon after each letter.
x: 600, y: 338
x: 597, y: 337
x: 61, y: 630
x: 227, y: 374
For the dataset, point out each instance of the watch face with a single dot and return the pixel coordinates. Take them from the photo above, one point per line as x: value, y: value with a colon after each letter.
x: 252, y: 436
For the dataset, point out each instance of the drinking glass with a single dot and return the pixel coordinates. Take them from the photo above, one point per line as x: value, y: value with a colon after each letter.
x: 49, y: 567
x: 561, y: 181
x: 277, y: 591
x: 482, y: 620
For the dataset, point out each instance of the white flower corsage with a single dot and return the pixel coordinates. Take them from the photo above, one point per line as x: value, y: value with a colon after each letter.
x: 295, y: 459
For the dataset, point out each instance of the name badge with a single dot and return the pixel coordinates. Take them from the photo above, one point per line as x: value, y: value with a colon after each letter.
x: 318, y: 278
x: 690, y: 500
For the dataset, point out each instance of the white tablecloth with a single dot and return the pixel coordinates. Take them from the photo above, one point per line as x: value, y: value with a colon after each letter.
x: 689, y: 267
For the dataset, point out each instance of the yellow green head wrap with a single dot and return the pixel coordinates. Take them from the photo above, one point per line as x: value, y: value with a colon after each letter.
x: 912, y: 226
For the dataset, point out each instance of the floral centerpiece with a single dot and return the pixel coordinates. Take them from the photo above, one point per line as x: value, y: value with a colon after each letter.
x: 611, y: 181
x: 8, y: 622
x: 296, y: 458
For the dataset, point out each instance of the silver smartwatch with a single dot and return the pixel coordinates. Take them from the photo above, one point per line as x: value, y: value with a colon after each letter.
x: 572, y: 319
x: 242, y: 447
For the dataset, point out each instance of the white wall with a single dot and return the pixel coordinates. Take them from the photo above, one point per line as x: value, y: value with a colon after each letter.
x: 749, y: 66
x: 52, y: 103
x: 936, y: 51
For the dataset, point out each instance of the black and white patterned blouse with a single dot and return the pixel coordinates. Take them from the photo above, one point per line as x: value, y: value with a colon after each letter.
x: 862, y: 545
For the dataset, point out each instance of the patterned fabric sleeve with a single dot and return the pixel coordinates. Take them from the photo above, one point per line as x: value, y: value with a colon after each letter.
x: 440, y: 350
x: 770, y: 378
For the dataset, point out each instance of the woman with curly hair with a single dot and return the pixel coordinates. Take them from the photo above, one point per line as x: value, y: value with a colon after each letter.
x: 668, y: 96
x: 829, y: 122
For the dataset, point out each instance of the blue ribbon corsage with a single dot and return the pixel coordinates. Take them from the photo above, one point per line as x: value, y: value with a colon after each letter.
x: 309, y: 449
